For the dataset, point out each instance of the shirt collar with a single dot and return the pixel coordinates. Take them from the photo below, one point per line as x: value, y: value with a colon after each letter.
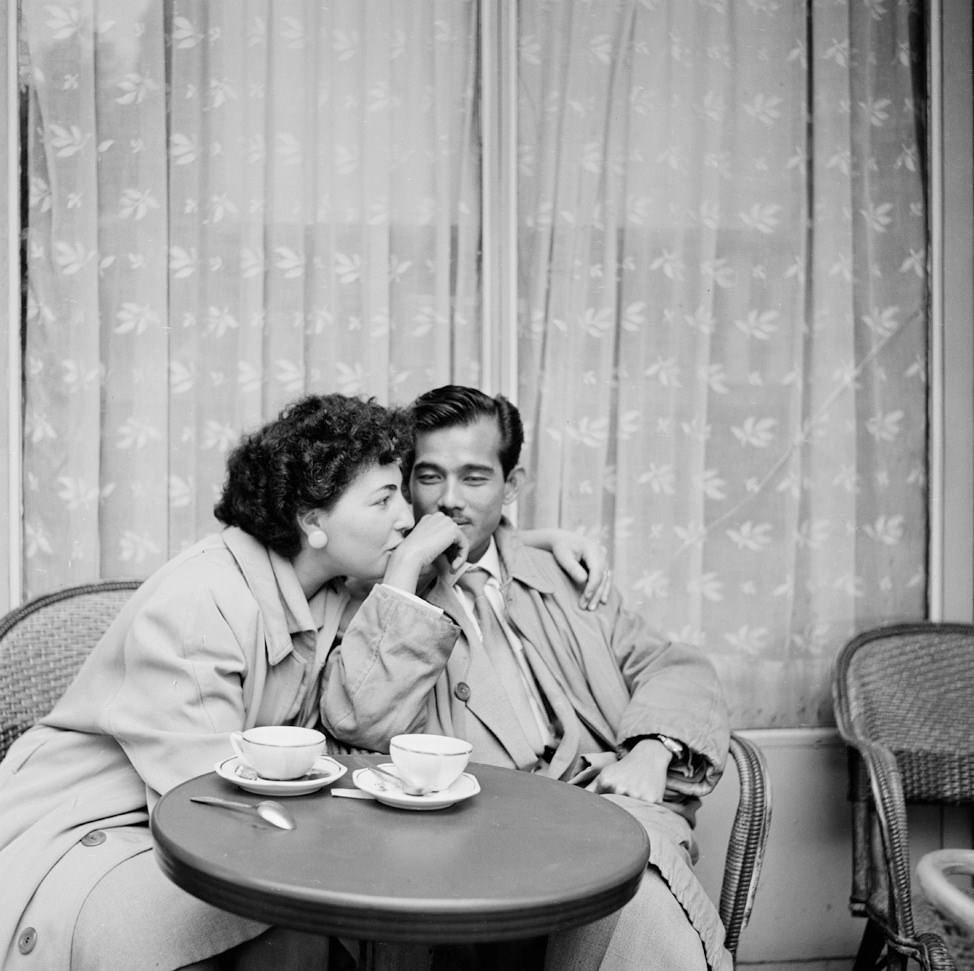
x: 490, y: 562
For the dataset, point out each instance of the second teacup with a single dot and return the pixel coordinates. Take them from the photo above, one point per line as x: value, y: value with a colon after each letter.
x: 429, y: 762
x: 278, y: 751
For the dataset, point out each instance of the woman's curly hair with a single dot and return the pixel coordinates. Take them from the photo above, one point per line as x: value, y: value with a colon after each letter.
x: 305, y: 459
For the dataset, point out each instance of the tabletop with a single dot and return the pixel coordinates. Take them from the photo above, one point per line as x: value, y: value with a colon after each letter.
x: 526, y: 856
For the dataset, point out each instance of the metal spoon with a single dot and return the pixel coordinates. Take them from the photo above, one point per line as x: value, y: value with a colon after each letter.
x: 406, y: 788
x: 269, y: 810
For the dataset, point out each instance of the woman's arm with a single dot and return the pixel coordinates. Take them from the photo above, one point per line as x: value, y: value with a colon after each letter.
x: 582, y: 558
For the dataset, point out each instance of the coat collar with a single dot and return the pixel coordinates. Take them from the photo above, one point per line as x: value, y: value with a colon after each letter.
x: 277, y: 590
x: 517, y: 563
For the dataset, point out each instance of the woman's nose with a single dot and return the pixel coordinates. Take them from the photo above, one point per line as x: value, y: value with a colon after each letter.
x: 405, y: 519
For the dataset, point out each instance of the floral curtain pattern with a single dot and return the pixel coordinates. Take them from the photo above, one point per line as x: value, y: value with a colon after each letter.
x: 721, y: 264
x: 724, y: 330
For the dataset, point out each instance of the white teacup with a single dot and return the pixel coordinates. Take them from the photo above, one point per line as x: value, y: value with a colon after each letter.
x: 430, y: 762
x: 278, y: 751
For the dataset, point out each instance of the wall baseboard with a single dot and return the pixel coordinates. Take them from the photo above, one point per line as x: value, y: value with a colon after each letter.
x: 801, y: 909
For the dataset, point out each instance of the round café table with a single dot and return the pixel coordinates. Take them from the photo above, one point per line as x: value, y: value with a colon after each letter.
x: 524, y: 857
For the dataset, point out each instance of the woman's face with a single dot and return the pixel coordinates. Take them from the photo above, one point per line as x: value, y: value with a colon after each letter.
x: 367, y: 523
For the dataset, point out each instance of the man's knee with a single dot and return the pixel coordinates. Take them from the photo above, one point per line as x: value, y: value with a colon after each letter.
x: 654, y: 931
x: 651, y: 933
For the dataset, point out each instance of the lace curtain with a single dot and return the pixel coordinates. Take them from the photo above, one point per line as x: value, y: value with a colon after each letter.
x: 724, y: 327
x: 230, y: 205
x: 721, y: 266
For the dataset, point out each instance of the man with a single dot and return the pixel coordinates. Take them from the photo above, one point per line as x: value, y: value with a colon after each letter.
x: 592, y: 697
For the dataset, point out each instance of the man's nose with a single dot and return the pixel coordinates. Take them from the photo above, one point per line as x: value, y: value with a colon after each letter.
x: 449, y: 498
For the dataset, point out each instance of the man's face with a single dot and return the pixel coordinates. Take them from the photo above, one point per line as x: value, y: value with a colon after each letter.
x: 457, y: 471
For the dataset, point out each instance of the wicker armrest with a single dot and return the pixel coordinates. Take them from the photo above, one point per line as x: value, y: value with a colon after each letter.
x: 748, y: 838
x: 890, y: 815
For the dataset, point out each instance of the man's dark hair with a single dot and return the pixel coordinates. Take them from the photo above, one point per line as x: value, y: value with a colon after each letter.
x: 454, y: 404
x: 305, y: 459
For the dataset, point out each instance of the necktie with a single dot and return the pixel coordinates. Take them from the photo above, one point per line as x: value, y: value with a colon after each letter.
x: 501, y: 655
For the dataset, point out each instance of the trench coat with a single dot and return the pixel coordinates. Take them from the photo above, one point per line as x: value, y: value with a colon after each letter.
x: 220, y: 639
x: 608, y: 676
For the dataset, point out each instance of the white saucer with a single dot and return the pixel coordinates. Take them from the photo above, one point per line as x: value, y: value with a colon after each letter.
x: 325, y: 771
x: 385, y: 790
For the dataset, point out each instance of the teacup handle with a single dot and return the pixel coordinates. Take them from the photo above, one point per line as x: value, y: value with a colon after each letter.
x: 236, y: 740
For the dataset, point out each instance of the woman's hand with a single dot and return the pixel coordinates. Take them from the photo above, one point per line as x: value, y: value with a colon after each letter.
x: 583, y: 559
x: 435, y: 535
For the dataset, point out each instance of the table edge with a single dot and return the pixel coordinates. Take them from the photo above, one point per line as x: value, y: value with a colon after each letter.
x: 357, y: 919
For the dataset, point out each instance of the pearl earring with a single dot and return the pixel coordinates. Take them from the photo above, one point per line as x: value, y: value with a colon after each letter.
x: 317, y: 539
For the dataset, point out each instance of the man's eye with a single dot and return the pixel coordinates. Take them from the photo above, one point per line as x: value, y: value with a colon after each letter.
x: 427, y: 479
x: 476, y: 479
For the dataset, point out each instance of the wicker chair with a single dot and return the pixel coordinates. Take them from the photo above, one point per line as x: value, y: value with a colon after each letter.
x: 42, y: 645
x: 903, y: 704
x: 748, y: 838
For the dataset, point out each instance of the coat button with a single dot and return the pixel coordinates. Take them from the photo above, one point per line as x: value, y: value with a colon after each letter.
x: 95, y: 838
x: 462, y: 691
x: 26, y: 940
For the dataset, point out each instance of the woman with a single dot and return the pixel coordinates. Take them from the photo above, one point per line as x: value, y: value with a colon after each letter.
x: 231, y: 633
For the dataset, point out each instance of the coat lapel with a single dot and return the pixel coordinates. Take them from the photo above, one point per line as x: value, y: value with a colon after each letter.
x: 568, y: 745
x: 547, y: 649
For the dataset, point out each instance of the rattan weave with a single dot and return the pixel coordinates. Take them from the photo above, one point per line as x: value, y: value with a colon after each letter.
x: 903, y: 698
x: 42, y: 645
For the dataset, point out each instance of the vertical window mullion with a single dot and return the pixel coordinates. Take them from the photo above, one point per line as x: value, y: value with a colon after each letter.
x: 498, y: 93
x: 11, y: 438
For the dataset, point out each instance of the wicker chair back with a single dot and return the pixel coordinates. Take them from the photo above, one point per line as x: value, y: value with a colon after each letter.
x: 42, y: 646
x: 903, y: 703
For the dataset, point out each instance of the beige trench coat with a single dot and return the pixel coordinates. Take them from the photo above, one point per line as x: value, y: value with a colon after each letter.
x: 220, y: 639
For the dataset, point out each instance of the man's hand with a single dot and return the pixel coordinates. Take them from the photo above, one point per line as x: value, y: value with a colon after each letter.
x: 640, y: 774
x: 434, y: 535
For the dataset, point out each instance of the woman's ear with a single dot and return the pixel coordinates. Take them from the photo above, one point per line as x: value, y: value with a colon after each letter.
x: 513, y: 483
x: 308, y: 520
x: 309, y: 523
